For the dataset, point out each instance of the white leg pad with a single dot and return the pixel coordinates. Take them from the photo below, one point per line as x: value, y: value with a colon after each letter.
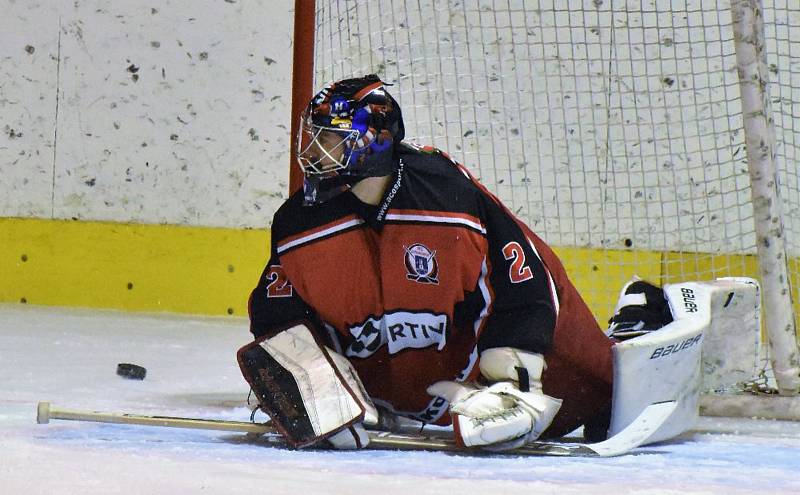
x: 731, y: 345
x: 660, y: 366
x: 665, y: 365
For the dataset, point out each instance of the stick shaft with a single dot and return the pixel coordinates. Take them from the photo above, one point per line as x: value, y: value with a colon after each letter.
x: 168, y: 421
x: 47, y: 412
x: 378, y: 440
x: 205, y: 424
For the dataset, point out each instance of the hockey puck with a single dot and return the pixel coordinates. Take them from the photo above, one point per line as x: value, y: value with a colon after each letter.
x: 132, y: 371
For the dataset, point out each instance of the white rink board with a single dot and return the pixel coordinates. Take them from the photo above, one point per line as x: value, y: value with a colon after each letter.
x: 622, y: 138
x: 200, y: 138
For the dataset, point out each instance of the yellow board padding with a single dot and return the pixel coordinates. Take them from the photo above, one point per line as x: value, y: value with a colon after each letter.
x: 705, y: 266
x: 600, y: 274
x: 129, y: 266
x: 211, y: 271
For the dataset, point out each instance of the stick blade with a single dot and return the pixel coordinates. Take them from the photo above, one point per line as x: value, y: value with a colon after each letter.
x: 636, y: 433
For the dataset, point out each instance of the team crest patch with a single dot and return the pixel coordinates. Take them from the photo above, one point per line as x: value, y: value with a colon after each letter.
x: 421, y: 264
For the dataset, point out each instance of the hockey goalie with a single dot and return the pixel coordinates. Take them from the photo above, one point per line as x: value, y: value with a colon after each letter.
x: 399, y: 286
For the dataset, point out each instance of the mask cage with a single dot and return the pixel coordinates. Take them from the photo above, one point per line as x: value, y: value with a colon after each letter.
x: 319, y: 159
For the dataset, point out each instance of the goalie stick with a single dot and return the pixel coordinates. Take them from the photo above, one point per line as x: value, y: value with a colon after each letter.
x: 647, y: 423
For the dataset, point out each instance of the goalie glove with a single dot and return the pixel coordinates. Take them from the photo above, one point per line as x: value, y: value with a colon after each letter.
x: 507, y: 414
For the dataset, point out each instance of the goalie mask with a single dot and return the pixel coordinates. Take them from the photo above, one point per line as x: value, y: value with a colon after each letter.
x: 347, y: 133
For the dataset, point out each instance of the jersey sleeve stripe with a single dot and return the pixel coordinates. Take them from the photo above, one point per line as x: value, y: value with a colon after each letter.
x: 550, y: 282
x: 319, y: 233
x: 488, y: 297
x: 467, y: 371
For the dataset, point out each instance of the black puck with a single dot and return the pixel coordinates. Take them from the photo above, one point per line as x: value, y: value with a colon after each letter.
x: 132, y: 371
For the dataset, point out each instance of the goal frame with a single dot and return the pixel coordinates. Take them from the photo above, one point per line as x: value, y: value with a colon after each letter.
x: 748, y: 23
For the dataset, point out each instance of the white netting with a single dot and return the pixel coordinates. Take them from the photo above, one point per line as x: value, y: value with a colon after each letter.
x: 613, y: 128
x: 782, y: 25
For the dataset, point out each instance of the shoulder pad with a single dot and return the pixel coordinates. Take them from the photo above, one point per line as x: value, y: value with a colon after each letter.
x: 429, y: 150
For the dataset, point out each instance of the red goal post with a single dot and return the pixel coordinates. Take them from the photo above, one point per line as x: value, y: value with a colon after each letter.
x: 302, y: 79
x: 640, y: 137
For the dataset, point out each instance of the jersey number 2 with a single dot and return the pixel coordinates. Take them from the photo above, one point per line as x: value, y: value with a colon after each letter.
x: 279, y: 285
x: 518, y: 271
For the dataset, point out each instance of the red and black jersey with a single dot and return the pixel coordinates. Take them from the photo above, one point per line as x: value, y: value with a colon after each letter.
x: 412, y: 290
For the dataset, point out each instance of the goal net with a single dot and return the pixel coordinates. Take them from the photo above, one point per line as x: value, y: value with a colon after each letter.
x: 618, y: 130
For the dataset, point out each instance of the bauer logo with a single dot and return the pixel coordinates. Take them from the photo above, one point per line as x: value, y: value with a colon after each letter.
x: 398, y: 330
x: 689, y: 302
x: 675, y: 348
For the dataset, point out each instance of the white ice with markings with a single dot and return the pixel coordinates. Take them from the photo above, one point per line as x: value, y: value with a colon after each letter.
x: 69, y: 357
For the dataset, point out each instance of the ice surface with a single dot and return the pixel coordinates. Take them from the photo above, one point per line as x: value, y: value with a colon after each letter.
x: 69, y: 357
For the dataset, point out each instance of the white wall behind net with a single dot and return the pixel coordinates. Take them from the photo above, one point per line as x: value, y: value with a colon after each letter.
x: 174, y: 111
x: 602, y: 123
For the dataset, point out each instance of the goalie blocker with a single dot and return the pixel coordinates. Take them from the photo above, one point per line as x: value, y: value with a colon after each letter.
x: 310, y: 392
